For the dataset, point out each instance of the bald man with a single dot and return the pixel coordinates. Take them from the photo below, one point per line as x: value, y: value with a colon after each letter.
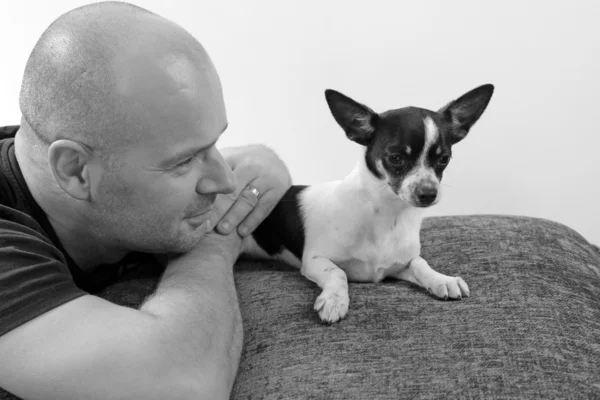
x: 115, y: 156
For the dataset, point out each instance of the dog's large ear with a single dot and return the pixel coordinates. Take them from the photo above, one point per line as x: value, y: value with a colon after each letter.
x: 466, y: 110
x: 357, y: 120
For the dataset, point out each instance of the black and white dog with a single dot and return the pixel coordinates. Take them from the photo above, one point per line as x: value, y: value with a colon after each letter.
x: 366, y: 226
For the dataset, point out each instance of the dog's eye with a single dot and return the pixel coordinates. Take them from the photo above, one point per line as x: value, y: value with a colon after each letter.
x: 396, y: 159
x: 444, y: 160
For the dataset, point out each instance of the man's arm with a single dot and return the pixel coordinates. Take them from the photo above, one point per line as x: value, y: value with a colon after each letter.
x: 184, y: 342
x: 209, y: 294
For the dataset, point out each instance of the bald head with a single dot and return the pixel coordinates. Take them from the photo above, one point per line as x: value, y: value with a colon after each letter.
x: 106, y: 73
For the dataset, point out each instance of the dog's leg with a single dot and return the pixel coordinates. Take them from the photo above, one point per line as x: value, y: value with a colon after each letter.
x: 442, y: 286
x: 332, y: 303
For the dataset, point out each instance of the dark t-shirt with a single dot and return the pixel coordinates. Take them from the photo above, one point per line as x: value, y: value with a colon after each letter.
x: 36, y: 273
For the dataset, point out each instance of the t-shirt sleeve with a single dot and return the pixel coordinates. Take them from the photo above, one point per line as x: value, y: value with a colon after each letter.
x: 34, y: 277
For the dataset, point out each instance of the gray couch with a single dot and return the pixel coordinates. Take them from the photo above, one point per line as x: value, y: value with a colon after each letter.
x: 531, y: 328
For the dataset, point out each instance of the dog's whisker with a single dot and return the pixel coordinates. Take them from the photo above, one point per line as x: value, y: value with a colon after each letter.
x: 382, y: 187
x: 454, y: 187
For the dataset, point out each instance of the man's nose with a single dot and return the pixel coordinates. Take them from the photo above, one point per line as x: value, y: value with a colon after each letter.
x: 217, y: 177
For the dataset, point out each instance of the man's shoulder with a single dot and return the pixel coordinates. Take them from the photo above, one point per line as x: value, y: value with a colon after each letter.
x: 14, y: 220
x: 8, y: 131
x: 10, y: 177
x: 17, y: 211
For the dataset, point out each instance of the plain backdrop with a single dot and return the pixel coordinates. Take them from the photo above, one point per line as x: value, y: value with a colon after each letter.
x: 534, y: 152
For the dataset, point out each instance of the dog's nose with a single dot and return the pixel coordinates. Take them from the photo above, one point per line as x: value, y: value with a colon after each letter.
x: 426, y: 194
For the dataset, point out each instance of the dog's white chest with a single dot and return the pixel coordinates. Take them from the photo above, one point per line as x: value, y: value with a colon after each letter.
x: 369, y: 237
x: 382, y: 246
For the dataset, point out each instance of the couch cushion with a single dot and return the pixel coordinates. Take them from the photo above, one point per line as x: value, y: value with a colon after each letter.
x: 531, y: 328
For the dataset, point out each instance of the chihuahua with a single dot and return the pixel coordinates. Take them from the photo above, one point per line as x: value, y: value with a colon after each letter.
x: 365, y: 227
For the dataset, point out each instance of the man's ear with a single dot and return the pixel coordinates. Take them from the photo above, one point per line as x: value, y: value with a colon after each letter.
x: 70, y: 163
x: 466, y: 110
x: 357, y: 120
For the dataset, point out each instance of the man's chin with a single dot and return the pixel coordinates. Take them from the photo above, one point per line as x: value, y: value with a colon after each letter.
x: 179, y: 239
x: 190, y: 236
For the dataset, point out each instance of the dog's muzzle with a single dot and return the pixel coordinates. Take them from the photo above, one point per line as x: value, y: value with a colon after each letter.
x: 425, y: 195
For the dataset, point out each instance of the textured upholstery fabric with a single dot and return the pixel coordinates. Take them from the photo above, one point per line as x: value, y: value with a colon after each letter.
x: 531, y: 328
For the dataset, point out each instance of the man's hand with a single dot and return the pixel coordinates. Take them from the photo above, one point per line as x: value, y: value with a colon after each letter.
x: 257, y: 167
x: 226, y: 247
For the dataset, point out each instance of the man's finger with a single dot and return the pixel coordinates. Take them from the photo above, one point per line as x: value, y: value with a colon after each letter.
x: 243, y: 205
x: 264, y: 207
x: 221, y: 205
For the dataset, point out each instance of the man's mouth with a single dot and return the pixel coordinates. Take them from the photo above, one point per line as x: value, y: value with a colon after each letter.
x: 207, y: 205
x: 199, y: 218
x: 201, y: 213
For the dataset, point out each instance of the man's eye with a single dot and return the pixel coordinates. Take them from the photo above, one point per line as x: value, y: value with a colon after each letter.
x: 395, y: 159
x: 186, y: 162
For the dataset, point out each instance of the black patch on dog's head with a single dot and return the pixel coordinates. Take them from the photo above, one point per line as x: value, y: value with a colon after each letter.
x: 400, y: 140
x: 395, y: 139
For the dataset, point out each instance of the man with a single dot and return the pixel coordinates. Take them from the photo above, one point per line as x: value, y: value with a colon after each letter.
x: 116, y: 154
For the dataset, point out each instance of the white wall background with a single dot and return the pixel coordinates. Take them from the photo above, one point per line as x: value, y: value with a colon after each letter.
x: 535, y: 151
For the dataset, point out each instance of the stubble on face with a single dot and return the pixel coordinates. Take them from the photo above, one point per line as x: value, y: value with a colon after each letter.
x: 149, y: 214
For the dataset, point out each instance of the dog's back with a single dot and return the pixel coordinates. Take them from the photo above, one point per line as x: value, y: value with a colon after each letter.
x: 281, y: 232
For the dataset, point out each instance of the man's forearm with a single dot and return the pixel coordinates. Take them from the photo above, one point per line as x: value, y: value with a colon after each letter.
x: 197, y: 302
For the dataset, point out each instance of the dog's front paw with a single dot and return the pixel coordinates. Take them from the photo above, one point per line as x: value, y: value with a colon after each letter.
x: 332, y: 305
x: 451, y: 287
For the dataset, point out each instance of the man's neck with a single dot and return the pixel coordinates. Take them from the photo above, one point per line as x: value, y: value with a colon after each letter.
x: 87, y: 250
x: 70, y: 223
